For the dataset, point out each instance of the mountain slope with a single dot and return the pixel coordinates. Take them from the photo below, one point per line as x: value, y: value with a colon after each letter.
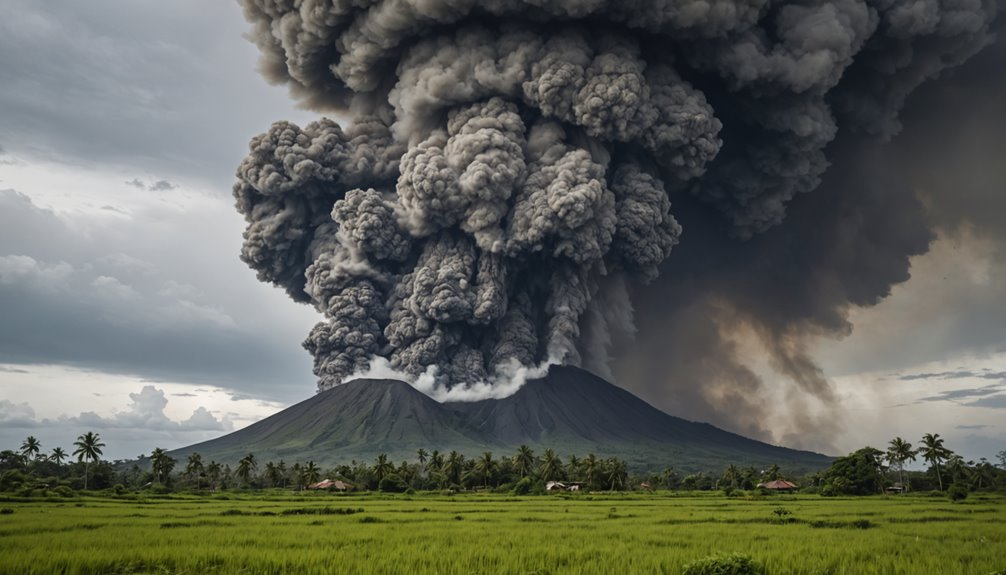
x: 574, y: 411
x: 357, y: 420
x: 569, y: 410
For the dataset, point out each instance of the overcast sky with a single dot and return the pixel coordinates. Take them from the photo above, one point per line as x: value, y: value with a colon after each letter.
x: 125, y: 309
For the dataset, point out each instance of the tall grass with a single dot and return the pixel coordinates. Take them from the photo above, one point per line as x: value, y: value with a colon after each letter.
x: 616, y: 534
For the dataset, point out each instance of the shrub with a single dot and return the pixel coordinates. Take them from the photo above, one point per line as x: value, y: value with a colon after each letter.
x: 732, y: 564
x: 957, y: 492
x: 63, y: 491
x: 522, y: 487
x: 392, y: 484
x: 6, y: 511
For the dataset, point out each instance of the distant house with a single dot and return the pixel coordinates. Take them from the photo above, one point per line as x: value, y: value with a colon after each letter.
x: 779, y: 485
x: 896, y: 488
x: 645, y: 486
x: 337, y: 485
x: 562, y: 486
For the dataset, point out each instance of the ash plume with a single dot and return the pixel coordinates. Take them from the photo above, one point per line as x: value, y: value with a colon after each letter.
x: 511, y: 171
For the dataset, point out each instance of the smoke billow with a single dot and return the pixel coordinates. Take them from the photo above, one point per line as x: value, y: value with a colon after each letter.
x: 511, y: 170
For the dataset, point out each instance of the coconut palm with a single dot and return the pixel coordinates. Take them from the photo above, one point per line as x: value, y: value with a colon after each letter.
x: 383, y: 467
x: 272, y: 474
x: 485, y: 467
x: 57, y: 456
x: 523, y: 462
x: 898, y: 452
x: 771, y: 474
x: 732, y: 475
x: 423, y: 456
x: 194, y: 468
x: 30, y: 448
x: 551, y: 466
x: 436, y: 461
x: 247, y: 467
x: 161, y: 464
x: 573, y: 465
x: 617, y: 474
x: 957, y: 469
x: 310, y: 473
x: 592, y: 469
x: 88, y: 449
x: 454, y: 467
x: 213, y: 471
x: 934, y: 453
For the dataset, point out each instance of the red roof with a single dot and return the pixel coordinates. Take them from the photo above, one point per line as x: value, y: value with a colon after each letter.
x: 780, y: 484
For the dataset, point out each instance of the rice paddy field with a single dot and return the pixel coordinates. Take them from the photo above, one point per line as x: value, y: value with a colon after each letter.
x: 473, y: 534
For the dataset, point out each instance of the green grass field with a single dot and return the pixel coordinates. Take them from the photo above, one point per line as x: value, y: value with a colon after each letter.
x: 470, y: 534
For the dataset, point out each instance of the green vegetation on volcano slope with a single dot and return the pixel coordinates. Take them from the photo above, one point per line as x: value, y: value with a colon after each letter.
x: 473, y: 533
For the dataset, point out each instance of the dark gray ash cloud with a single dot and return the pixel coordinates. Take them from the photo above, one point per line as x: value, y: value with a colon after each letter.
x: 961, y: 374
x: 511, y: 174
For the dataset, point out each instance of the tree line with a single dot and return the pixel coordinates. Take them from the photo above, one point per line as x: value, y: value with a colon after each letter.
x: 862, y: 472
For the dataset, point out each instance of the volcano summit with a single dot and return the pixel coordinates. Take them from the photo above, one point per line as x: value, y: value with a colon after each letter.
x: 569, y: 410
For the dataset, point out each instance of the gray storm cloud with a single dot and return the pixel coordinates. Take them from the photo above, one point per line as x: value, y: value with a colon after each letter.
x: 511, y: 170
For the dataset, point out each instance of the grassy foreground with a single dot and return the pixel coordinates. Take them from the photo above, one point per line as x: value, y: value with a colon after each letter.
x: 467, y: 534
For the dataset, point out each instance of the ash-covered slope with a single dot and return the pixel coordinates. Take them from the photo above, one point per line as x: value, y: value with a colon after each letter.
x: 569, y: 410
x: 357, y: 420
x: 574, y: 411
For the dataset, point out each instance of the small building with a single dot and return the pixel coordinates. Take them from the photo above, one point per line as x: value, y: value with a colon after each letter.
x: 780, y: 485
x: 896, y: 488
x: 562, y: 486
x: 337, y: 485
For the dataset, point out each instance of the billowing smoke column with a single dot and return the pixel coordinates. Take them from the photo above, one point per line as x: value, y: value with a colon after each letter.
x: 507, y: 170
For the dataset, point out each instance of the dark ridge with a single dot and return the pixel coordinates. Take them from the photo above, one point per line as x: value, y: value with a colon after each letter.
x: 569, y: 410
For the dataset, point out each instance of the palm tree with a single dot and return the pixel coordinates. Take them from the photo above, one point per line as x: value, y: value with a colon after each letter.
x: 523, y: 462
x: 58, y: 455
x: 436, y: 461
x: 383, y: 467
x: 247, y: 467
x: 573, y: 468
x: 213, y: 471
x: 30, y: 448
x: 423, y: 456
x: 771, y: 474
x: 194, y: 468
x: 933, y: 452
x: 88, y: 449
x: 957, y: 469
x: 732, y: 475
x: 161, y: 463
x: 617, y: 474
x: 592, y: 469
x: 272, y: 474
x: 486, y: 466
x: 551, y: 466
x: 898, y: 452
x: 310, y: 473
x: 281, y: 469
x: 454, y: 467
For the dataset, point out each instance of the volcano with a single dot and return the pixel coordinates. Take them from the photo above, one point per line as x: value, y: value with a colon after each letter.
x: 569, y: 410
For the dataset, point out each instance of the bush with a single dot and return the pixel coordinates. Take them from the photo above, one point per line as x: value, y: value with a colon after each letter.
x: 63, y: 491
x: 522, y: 487
x: 733, y: 564
x: 6, y: 511
x: 392, y: 484
x: 957, y: 492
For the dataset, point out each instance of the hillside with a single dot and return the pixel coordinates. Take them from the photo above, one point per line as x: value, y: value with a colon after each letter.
x: 569, y: 409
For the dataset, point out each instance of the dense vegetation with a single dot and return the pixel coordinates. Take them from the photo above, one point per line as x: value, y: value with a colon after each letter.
x: 282, y: 531
x: 29, y: 470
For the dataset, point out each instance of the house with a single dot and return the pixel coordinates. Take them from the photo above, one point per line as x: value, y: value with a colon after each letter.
x: 896, y: 488
x: 779, y: 485
x: 337, y: 485
x: 562, y: 486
